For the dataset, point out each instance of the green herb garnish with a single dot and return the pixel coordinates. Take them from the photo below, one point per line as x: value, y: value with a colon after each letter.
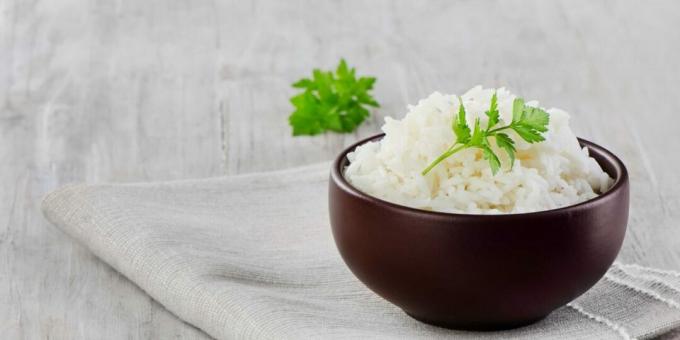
x: 528, y: 122
x: 331, y: 101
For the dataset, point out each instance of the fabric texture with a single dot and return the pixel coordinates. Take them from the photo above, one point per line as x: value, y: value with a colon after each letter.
x: 252, y: 257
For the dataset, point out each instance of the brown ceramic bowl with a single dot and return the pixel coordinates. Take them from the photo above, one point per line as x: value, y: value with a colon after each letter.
x: 482, y: 272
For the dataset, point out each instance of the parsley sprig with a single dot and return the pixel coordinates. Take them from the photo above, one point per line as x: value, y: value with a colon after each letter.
x: 528, y: 122
x: 331, y: 101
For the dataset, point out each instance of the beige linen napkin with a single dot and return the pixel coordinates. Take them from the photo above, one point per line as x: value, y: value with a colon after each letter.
x: 252, y: 257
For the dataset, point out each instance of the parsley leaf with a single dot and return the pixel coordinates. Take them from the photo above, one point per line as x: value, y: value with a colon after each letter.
x: 506, y: 143
x: 477, y: 135
x: 331, y: 101
x: 492, y: 113
x: 460, y: 127
x: 528, y: 122
x: 517, y: 109
x: 490, y: 156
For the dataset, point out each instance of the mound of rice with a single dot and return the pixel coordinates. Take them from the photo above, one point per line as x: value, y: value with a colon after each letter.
x: 554, y: 173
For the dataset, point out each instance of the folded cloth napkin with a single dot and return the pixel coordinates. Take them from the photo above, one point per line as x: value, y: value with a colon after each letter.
x: 252, y: 257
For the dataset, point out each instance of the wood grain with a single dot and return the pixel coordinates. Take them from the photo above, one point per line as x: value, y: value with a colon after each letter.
x: 155, y: 90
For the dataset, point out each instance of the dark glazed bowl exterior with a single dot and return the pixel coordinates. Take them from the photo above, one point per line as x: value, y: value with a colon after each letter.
x: 483, y: 272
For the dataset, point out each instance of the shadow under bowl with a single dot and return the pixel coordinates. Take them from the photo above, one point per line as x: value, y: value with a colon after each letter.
x: 478, y: 272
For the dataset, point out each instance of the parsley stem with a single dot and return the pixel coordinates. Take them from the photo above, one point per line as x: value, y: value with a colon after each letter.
x: 499, y: 129
x: 442, y: 157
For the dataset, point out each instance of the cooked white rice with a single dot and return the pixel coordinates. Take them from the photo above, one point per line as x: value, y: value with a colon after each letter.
x: 546, y: 175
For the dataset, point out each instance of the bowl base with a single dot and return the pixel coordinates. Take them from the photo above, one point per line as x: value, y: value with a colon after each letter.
x: 476, y: 326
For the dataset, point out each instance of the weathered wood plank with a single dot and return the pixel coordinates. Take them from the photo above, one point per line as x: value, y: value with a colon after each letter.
x: 93, y: 95
x: 155, y: 90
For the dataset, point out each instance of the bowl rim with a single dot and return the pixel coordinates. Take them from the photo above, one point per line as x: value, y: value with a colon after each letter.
x: 620, y: 182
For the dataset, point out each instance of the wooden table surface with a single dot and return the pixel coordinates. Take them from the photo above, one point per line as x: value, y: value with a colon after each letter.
x: 156, y: 90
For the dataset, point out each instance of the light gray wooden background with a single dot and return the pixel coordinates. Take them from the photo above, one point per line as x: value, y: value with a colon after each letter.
x: 154, y: 90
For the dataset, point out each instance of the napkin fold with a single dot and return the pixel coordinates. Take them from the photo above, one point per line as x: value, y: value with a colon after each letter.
x: 252, y: 257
